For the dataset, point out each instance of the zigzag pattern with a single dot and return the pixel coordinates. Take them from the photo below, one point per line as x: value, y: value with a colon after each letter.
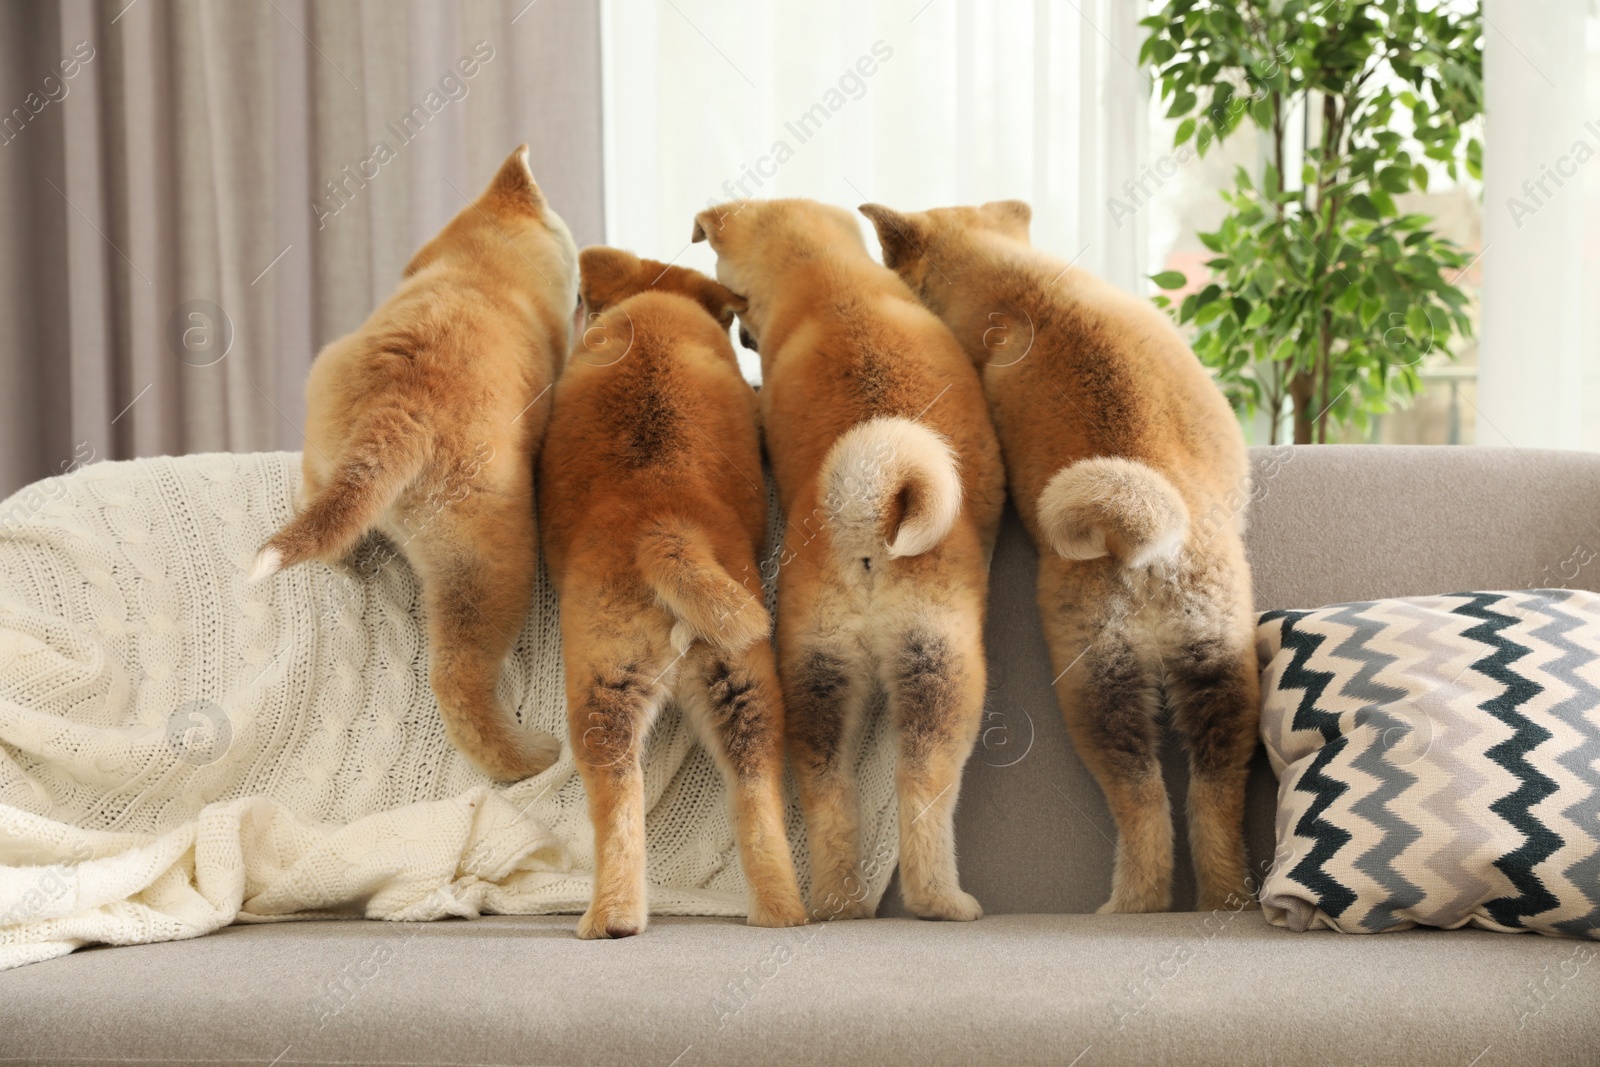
x: 1411, y: 735
x: 1299, y: 675
x: 1400, y: 893
x: 1327, y: 839
x: 1585, y: 812
x: 1532, y: 786
x: 1360, y: 648
x: 1397, y: 834
x: 1453, y: 740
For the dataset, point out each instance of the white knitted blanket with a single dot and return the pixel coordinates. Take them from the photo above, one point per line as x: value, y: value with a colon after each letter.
x: 180, y: 751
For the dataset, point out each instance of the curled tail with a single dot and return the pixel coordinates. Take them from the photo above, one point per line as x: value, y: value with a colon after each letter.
x: 677, y: 561
x: 1108, y: 506
x: 890, y: 485
x: 374, y: 469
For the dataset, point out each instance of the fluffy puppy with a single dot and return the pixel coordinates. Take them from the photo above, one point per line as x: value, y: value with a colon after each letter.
x: 652, y: 497
x: 891, y: 483
x: 1130, y: 473
x: 424, y: 424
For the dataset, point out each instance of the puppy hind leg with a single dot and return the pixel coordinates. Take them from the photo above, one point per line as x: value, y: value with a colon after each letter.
x: 936, y: 691
x: 826, y: 690
x: 734, y: 702
x: 477, y: 574
x: 1109, y: 701
x: 1214, y: 694
x: 610, y: 709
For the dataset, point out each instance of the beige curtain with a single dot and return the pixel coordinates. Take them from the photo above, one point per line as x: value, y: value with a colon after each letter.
x: 195, y: 195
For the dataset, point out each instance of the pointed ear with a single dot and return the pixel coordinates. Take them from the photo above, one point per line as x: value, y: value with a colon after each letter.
x: 709, y: 224
x: 1013, y: 215
x: 513, y: 184
x: 897, y: 233
x: 606, y: 275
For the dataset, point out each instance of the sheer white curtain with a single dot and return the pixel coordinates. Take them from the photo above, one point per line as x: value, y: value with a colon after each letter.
x: 1539, y: 378
x: 914, y: 103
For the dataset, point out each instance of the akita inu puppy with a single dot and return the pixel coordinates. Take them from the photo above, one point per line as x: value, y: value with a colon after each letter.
x: 1130, y: 473
x: 652, y: 500
x: 451, y: 372
x: 891, y: 483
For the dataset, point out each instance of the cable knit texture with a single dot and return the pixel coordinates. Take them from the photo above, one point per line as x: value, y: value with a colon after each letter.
x: 180, y: 750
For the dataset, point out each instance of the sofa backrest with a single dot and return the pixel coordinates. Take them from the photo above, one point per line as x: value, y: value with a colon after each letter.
x: 1326, y: 525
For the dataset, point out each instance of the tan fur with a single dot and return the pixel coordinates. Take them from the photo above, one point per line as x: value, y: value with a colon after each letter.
x: 891, y: 482
x: 424, y: 424
x: 1129, y: 471
x: 654, y: 510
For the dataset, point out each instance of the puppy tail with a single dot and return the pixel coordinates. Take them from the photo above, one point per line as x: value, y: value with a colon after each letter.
x: 890, y: 485
x: 677, y: 561
x: 1108, y: 506
x: 377, y: 465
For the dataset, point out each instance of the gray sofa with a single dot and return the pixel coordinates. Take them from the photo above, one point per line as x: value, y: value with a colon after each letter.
x: 1039, y: 980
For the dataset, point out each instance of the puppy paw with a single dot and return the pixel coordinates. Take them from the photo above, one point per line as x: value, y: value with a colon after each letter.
x: 1133, y: 904
x: 610, y: 922
x: 777, y: 913
x: 523, y: 757
x: 956, y: 906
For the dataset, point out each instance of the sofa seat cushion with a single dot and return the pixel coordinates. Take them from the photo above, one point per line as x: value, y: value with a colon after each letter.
x: 1057, y: 989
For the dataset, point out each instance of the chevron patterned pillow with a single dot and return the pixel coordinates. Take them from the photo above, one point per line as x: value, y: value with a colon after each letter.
x: 1438, y: 763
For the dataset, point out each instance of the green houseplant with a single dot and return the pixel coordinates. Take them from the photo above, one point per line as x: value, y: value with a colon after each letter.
x: 1324, y: 296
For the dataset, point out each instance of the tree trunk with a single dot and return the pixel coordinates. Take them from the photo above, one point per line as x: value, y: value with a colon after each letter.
x: 1303, y: 391
x: 1275, y: 398
x: 1326, y: 363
